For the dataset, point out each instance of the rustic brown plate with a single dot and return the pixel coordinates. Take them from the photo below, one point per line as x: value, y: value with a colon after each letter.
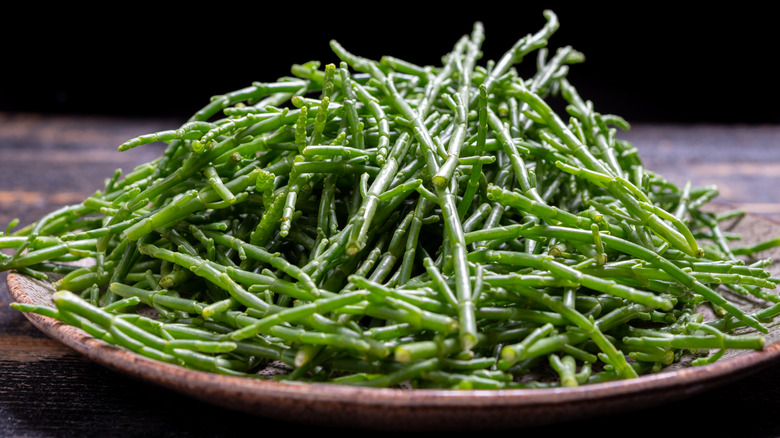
x: 417, y: 410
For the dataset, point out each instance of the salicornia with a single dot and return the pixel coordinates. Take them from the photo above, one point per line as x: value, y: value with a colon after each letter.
x: 380, y: 223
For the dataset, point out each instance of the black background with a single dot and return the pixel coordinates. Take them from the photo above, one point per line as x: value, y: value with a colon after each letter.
x: 648, y: 62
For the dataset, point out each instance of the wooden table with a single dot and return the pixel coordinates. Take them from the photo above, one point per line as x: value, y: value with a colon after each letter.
x: 48, y: 390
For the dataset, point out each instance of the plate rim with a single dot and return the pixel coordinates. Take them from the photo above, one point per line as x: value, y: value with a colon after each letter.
x: 97, y: 349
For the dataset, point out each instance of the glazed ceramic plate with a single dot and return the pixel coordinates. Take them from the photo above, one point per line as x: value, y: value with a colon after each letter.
x: 399, y: 409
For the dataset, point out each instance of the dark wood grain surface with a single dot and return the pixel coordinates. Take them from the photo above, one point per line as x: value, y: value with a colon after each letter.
x: 48, y: 390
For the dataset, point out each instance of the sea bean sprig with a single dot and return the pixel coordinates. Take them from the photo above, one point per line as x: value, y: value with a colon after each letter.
x: 380, y: 223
